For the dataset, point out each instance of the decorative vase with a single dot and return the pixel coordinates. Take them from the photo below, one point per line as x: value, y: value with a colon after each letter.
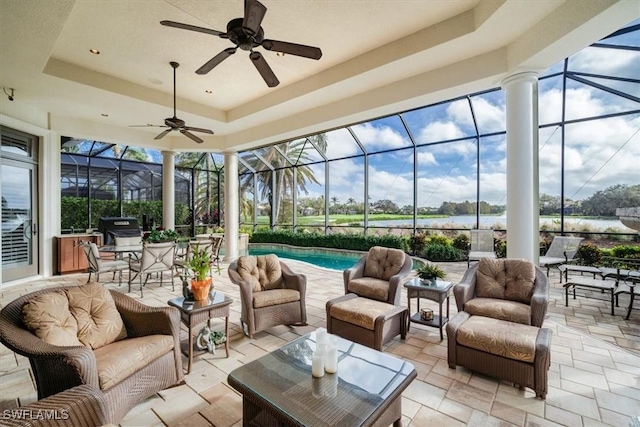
x: 201, y: 288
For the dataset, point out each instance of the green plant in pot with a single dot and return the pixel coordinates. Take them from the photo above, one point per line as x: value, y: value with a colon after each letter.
x: 199, y: 263
x: 430, y: 272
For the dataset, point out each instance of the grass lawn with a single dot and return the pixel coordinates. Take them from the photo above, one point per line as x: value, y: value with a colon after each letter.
x: 335, y: 219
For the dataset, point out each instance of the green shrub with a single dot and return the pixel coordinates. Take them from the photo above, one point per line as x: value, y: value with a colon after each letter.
x: 440, y: 240
x: 440, y: 252
x: 337, y: 241
x: 417, y: 242
x: 501, y: 248
x: 462, y: 242
x: 625, y: 251
x: 589, y: 254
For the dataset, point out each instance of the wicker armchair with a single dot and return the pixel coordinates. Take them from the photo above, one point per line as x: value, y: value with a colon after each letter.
x: 378, y: 275
x: 83, y: 405
x: 57, y: 368
x: 271, y: 294
x: 531, y: 313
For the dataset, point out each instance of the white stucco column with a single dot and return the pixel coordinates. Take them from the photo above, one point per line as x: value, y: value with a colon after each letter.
x: 168, y: 190
x: 231, y: 206
x: 522, y: 165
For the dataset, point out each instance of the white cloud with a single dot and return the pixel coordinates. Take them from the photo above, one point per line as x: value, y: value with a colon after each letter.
x: 439, y: 131
x: 426, y: 158
x: 379, y: 138
x: 605, y: 61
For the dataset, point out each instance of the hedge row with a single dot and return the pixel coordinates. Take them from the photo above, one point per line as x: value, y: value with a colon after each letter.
x: 336, y: 241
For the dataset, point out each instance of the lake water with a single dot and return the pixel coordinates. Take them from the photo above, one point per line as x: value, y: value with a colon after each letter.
x: 500, y: 222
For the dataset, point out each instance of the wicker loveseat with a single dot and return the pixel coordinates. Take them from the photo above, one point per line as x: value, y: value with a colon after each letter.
x: 88, y: 335
x: 497, y: 332
x: 271, y: 294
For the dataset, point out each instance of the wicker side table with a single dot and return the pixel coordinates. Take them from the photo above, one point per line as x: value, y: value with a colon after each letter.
x: 438, y: 292
x: 193, y: 313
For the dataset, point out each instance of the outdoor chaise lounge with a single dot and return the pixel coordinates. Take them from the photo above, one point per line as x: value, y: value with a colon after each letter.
x: 562, y: 250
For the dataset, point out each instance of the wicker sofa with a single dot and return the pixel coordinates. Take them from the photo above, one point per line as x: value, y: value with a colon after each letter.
x: 83, y: 405
x: 498, y: 330
x: 88, y: 335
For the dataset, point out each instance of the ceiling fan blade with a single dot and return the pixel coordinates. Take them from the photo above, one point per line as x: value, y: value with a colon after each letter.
x: 209, y: 65
x: 192, y: 28
x: 254, y: 12
x: 192, y: 136
x: 263, y: 68
x: 163, y: 134
x: 293, y: 49
x: 148, y: 125
x: 202, y: 130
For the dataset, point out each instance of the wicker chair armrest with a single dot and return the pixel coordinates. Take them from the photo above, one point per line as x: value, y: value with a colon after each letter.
x: 466, y: 289
x: 396, y: 280
x: 353, y: 272
x: 452, y: 332
x: 539, y: 299
x: 246, y: 291
x: 293, y: 280
x: 142, y: 320
x: 83, y: 405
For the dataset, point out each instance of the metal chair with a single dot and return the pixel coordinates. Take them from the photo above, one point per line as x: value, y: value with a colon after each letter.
x: 97, y: 266
x: 482, y: 245
x: 155, y: 258
x: 562, y: 250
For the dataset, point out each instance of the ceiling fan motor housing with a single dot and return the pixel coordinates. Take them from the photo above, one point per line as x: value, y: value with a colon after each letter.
x: 174, y: 122
x: 241, y: 38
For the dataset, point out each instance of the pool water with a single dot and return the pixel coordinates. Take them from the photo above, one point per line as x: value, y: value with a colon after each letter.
x: 332, y: 260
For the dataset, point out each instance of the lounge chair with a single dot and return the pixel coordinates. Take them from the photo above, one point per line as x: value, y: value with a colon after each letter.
x: 562, y: 250
x: 482, y: 245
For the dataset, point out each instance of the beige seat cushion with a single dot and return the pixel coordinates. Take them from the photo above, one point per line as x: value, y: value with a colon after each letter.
x: 511, y: 340
x: 49, y: 318
x: 360, y: 311
x: 510, y: 279
x: 99, y: 322
x: 118, y: 360
x: 383, y: 263
x: 370, y: 287
x: 275, y: 297
x: 511, y: 311
x: 261, y: 272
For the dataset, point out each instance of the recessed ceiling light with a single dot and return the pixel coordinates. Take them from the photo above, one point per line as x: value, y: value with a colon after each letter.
x: 94, y: 51
x: 104, y: 115
x: 279, y: 53
x: 208, y: 91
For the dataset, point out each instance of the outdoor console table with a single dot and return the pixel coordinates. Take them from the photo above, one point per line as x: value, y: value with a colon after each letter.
x: 192, y: 313
x: 584, y: 282
x: 439, y: 292
x: 278, y: 389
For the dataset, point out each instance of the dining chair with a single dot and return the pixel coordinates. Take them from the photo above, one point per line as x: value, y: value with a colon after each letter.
x: 97, y: 266
x: 155, y: 258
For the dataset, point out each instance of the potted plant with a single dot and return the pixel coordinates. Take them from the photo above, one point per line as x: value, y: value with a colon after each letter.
x: 157, y: 236
x: 430, y: 272
x: 200, y: 263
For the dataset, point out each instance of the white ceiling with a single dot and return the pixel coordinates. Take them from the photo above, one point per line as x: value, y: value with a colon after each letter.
x: 379, y: 57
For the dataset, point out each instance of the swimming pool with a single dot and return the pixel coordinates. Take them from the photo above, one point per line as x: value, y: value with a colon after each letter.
x: 326, y: 258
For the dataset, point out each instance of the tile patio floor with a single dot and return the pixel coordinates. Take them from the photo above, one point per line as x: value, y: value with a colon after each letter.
x: 594, y: 378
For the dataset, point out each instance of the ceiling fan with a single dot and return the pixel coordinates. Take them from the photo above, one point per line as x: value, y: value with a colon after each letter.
x: 174, y: 123
x: 247, y: 34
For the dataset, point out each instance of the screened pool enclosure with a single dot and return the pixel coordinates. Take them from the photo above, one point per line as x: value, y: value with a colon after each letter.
x: 440, y: 167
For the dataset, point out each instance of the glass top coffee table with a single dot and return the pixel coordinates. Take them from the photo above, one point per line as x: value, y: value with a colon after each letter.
x: 278, y: 388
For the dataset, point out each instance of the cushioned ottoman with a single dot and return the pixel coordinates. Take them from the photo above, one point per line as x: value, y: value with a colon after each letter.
x: 366, y: 321
x: 501, y: 349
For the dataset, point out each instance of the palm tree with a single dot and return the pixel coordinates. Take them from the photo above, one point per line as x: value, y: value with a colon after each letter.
x: 274, y: 186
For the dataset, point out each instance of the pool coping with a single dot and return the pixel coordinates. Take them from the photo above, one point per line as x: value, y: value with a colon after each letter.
x: 321, y: 250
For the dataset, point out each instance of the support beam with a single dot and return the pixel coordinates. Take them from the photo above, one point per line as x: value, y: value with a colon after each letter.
x: 231, y: 206
x: 522, y: 154
x: 168, y: 190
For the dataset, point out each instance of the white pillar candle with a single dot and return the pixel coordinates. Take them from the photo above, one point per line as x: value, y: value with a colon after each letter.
x: 321, y: 335
x: 317, y: 365
x: 331, y: 359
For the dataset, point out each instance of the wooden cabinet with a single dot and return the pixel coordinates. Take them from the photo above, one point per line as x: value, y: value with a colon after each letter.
x: 71, y: 257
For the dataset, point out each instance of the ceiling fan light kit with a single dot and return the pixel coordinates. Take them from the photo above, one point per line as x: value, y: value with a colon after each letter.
x: 247, y: 34
x: 174, y: 123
